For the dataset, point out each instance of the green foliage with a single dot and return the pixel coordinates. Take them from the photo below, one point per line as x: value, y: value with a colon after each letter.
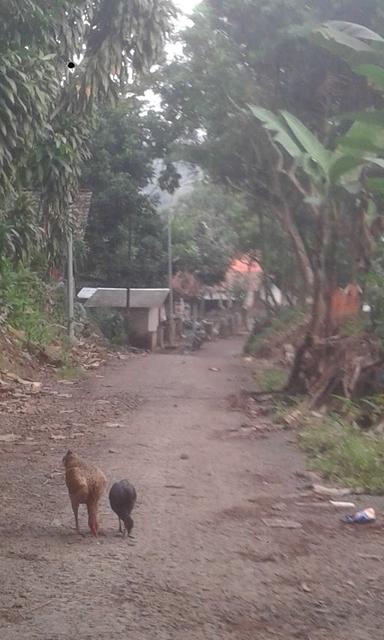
x: 357, y: 149
x: 356, y: 326
x: 20, y: 234
x: 46, y: 113
x: 283, y: 408
x: 25, y: 304
x: 210, y: 226
x: 352, y: 42
x: 281, y: 324
x: 374, y: 296
x: 320, y: 173
x: 240, y: 53
x: 125, y: 234
x: 279, y: 130
x: 114, y: 325
x: 28, y: 87
x: 346, y: 455
x: 271, y: 379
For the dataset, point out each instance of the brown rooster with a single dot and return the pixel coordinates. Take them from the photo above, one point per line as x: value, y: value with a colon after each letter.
x: 86, y: 484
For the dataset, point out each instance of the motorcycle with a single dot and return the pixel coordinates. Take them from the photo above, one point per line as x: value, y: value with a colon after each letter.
x: 195, y: 334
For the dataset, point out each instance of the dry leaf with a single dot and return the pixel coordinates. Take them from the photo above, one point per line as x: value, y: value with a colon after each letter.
x: 330, y: 491
x: 279, y: 523
x: 9, y: 437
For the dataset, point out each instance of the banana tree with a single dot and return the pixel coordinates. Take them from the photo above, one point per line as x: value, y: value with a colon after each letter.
x: 339, y: 184
x: 323, y: 177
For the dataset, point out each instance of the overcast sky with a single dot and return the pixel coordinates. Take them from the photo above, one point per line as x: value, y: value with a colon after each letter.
x: 175, y: 49
x: 186, y: 6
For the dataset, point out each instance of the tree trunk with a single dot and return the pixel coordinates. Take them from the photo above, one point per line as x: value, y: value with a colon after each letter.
x: 295, y: 383
x: 299, y: 249
x: 319, y: 324
x: 284, y: 214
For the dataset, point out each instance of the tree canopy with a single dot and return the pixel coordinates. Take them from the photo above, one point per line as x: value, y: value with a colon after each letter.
x: 125, y: 235
x: 46, y: 112
x: 265, y: 54
x: 279, y: 104
x: 210, y: 226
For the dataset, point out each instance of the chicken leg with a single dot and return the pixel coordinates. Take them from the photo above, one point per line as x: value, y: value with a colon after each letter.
x: 75, y: 508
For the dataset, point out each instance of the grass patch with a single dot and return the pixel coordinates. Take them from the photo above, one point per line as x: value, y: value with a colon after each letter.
x: 283, y: 407
x: 346, y: 455
x: 271, y: 379
x: 26, y: 305
x: 356, y: 326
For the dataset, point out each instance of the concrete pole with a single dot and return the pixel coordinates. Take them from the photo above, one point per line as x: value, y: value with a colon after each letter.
x: 170, y: 274
x: 70, y: 276
x: 71, y: 290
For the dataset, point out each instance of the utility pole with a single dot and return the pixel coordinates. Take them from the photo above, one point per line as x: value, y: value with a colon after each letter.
x: 170, y: 274
x: 71, y: 289
x: 70, y: 276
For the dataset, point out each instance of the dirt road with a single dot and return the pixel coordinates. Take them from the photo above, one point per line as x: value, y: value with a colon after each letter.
x: 203, y: 564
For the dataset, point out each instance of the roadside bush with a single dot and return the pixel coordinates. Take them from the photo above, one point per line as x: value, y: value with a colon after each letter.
x: 345, y: 454
x: 25, y: 304
x: 113, y: 324
x: 374, y: 296
x: 261, y: 342
x: 271, y: 378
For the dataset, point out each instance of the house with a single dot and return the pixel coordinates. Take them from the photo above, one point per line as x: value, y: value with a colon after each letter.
x: 145, y: 311
x: 245, y: 274
x: 146, y: 314
x: 187, y: 295
x: 241, y: 293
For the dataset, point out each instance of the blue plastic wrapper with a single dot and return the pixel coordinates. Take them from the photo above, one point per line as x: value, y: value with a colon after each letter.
x: 362, y: 517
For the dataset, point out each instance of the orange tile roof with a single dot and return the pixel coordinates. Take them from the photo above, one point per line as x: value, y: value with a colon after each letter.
x: 245, y: 265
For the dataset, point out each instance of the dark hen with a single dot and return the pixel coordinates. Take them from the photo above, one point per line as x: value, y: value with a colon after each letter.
x: 122, y: 498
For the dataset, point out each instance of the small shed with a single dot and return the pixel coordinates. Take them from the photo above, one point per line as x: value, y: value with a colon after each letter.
x: 146, y: 312
x: 146, y: 309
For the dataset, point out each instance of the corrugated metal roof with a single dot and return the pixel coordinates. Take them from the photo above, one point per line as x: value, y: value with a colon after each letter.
x: 104, y: 297
x: 85, y: 293
x: 117, y: 298
x: 147, y: 298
